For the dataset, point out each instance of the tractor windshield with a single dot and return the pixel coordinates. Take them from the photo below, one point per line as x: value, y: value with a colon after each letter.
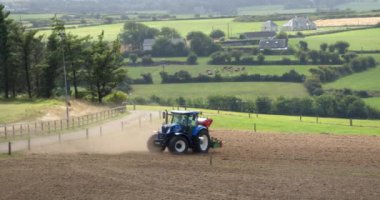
x: 180, y: 119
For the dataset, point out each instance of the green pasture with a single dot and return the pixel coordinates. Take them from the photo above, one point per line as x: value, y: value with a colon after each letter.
x: 373, y: 102
x: 285, y: 124
x: 367, y: 39
x: 362, y: 5
x: 272, y: 9
x: 111, y: 31
x: 17, y: 110
x: 244, y: 90
x: 195, y: 70
x: 368, y: 80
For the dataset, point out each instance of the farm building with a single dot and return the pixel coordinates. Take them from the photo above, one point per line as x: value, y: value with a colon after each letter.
x: 269, y: 26
x: 148, y: 43
x: 258, y: 35
x: 299, y: 24
x: 273, y: 44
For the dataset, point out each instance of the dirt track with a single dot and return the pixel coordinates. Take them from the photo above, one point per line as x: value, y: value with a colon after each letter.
x: 250, y: 166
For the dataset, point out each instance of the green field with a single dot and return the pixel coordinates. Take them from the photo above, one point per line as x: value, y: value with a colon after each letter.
x: 359, y: 40
x: 285, y: 124
x: 14, y: 111
x: 368, y: 80
x: 111, y: 31
x: 195, y: 70
x: 32, y: 16
x: 203, y: 90
x: 272, y: 9
x: 374, y: 102
x: 362, y: 5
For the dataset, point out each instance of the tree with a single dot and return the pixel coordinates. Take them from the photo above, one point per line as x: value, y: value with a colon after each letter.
x: 27, y: 44
x: 133, y: 58
x: 342, y: 46
x: 134, y: 34
x: 169, y: 33
x: 4, y: 49
x: 192, y: 59
x: 282, y: 35
x: 261, y: 58
x: 323, y: 47
x: 53, y: 59
x: 236, y: 55
x: 74, y: 54
x: 201, y: 44
x: 302, y: 57
x: 105, y: 73
x: 217, y: 34
x: 263, y: 105
x: 303, y: 46
x: 164, y: 47
x: 313, y: 55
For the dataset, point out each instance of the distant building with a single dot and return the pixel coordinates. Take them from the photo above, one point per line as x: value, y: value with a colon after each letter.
x: 273, y: 44
x: 299, y: 24
x: 269, y: 26
x: 258, y: 35
x: 148, y: 43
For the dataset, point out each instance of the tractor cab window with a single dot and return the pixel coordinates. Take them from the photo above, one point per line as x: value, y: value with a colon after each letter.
x: 180, y: 119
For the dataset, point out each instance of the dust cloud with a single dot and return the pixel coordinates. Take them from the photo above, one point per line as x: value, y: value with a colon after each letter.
x: 115, y: 138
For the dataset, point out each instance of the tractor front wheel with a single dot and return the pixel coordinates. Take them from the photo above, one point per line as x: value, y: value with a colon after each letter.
x: 178, y: 145
x: 153, y: 148
x: 202, y: 142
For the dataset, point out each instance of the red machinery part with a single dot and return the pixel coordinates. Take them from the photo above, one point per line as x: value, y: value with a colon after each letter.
x: 205, y: 122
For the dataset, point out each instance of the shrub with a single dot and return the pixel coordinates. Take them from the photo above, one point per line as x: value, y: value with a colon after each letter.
x: 192, y: 59
x: 147, y: 60
x: 116, y: 97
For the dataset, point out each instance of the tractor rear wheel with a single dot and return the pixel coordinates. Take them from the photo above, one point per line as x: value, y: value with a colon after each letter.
x: 153, y: 147
x: 178, y: 145
x: 202, y: 142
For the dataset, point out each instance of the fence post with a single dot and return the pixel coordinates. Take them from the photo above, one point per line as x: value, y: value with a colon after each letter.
x: 87, y: 136
x: 29, y: 146
x: 150, y: 117
x: 48, y: 127
x: 351, y: 123
x: 9, y: 148
x: 60, y: 137
x: 249, y: 115
x: 35, y: 127
x: 317, y: 119
x: 13, y: 131
x: 42, y: 127
x: 140, y: 121
x: 254, y: 127
x: 55, y: 125
x: 5, y: 131
x: 101, y: 131
x: 122, y: 125
x: 134, y: 106
x: 300, y: 118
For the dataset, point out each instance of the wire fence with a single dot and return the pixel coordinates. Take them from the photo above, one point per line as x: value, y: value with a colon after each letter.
x: 15, y: 130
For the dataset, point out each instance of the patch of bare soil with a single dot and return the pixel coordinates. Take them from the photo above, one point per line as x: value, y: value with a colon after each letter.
x: 249, y: 166
x: 77, y: 108
x: 364, y: 21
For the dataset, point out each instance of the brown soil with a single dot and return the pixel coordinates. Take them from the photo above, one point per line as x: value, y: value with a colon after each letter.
x: 249, y: 166
x: 364, y: 21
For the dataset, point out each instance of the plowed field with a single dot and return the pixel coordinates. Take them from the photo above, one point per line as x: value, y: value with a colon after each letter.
x: 249, y: 166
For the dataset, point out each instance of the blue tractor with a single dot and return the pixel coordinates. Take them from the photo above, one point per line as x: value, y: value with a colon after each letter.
x: 185, y: 130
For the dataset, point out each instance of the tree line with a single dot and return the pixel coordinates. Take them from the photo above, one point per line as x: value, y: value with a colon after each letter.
x: 35, y: 66
x: 343, y: 106
x: 185, y: 77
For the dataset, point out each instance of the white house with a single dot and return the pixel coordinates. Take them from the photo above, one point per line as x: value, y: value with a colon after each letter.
x: 299, y: 24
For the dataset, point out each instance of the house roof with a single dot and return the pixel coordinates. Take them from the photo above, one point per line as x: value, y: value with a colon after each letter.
x: 298, y: 20
x: 270, y: 23
x: 262, y: 34
x: 273, y: 44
